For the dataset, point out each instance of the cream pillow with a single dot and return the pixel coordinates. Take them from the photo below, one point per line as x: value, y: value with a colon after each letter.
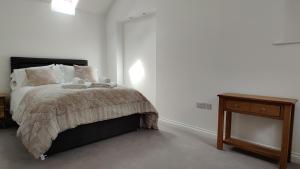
x: 19, y: 77
x: 41, y: 76
x: 86, y: 73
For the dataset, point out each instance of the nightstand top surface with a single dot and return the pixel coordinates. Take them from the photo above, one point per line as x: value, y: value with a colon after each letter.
x: 259, y: 98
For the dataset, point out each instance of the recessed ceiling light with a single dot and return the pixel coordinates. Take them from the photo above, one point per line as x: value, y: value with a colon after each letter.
x: 64, y: 6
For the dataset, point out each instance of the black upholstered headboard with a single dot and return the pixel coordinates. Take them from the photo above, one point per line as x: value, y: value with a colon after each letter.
x: 24, y: 62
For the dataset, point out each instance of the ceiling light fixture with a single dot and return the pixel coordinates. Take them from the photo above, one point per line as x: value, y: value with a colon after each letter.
x: 64, y: 6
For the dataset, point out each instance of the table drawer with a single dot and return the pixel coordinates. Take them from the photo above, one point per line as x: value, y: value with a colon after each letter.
x: 265, y: 109
x: 237, y: 105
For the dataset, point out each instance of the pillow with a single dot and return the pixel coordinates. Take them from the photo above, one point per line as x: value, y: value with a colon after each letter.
x: 104, y: 80
x: 13, y: 83
x: 68, y: 73
x: 86, y: 73
x: 19, y: 77
x: 41, y: 76
x: 59, y: 74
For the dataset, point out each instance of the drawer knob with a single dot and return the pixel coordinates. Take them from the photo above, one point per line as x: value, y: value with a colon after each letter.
x: 236, y: 105
x: 263, y: 109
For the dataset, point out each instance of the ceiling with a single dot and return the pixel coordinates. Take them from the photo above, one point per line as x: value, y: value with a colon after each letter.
x: 92, y: 6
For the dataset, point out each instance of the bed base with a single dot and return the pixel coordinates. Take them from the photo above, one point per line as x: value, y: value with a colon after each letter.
x: 90, y: 133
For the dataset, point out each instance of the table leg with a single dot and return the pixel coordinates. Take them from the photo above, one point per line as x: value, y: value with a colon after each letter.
x: 291, y: 133
x: 228, y: 125
x: 286, y: 129
x: 220, y: 125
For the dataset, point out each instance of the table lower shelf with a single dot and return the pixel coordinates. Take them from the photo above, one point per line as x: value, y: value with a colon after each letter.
x: 254, y: 148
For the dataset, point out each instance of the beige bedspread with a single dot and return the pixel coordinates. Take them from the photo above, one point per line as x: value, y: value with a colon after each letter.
x: 46, y: 111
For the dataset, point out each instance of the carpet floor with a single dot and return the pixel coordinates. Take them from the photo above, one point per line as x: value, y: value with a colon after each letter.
x: 168, y: 148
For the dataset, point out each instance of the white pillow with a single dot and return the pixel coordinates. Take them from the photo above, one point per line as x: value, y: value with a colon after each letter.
x: 103, y: 79
x: 59, y: 74
x: 68, y: 73
x: 13, y: 82
x: 19, y: 77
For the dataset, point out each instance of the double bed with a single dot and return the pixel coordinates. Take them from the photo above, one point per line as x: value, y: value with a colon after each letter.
x: 52, y: 119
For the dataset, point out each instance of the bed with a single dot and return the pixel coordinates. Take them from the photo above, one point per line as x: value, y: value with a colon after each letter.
x: 84, y: 133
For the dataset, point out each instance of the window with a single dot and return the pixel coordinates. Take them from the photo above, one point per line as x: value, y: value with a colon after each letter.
x: 64, y: 6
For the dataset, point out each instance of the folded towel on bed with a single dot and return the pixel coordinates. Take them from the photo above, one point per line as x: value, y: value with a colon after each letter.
x: 75, y: 86
x: 105, y: 85
x: 88, y: 85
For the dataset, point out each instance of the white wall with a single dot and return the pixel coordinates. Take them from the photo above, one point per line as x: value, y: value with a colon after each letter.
x: 118, y: 14
x: 140, y: 55
x: 30, y: 28
x: 212, y: 46
x: 292, y: 22
x: 286, y: 21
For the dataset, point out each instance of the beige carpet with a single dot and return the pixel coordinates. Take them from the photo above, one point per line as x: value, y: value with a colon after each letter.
x: 169, y: 148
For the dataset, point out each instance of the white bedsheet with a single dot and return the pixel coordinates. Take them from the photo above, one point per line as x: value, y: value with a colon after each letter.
x: 17, y: 96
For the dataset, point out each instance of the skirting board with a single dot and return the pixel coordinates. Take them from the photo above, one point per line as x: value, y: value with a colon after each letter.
x: 295, y: 155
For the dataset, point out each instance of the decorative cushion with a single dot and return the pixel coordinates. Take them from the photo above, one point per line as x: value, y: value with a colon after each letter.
x: 86, y: 73
x: 41, y: 76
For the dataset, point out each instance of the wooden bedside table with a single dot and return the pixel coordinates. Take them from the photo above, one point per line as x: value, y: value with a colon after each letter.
x: 264, y: 106
x: 3, y: 109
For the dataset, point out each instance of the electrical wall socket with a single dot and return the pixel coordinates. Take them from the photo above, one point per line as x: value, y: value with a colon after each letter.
x: 205, y: 106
